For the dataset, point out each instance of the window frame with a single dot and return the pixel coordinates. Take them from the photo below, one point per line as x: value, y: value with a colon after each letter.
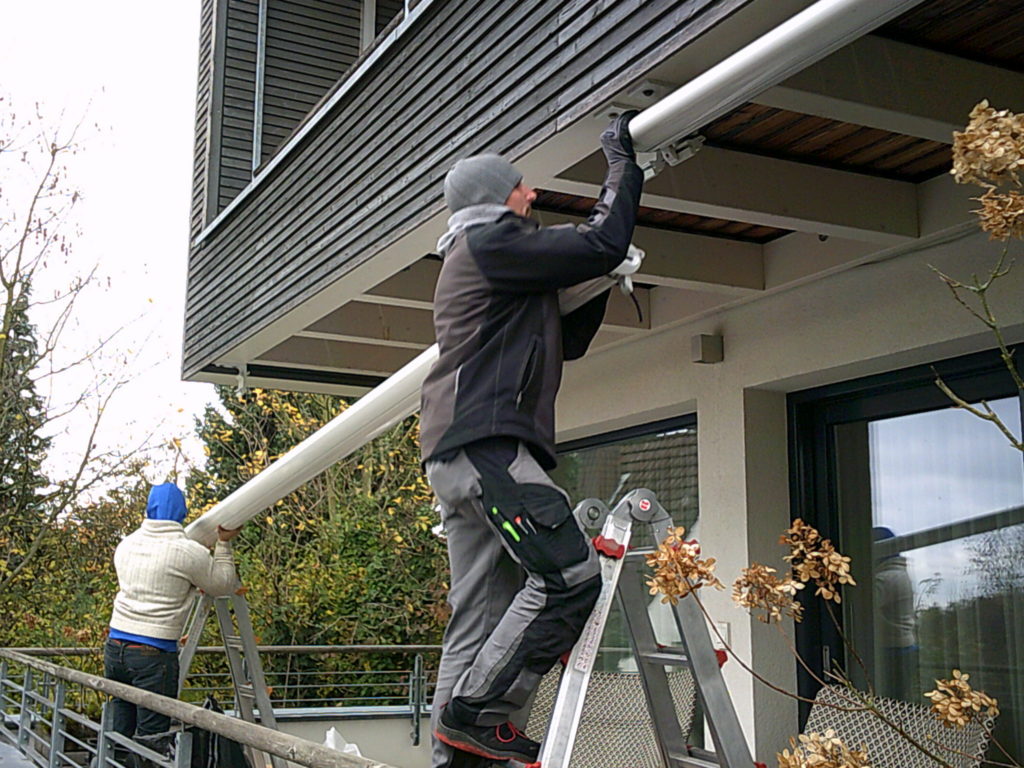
x: 813, y: 414
x: 686, y: 421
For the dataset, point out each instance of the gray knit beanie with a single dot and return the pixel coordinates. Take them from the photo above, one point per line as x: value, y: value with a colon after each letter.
x: 480, y: 179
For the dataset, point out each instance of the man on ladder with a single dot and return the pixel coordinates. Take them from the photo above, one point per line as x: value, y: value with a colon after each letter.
x: 158, y: 571
x: 524, y: 578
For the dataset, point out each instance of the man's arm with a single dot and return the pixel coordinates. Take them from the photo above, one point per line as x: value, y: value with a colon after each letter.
x: 564, y: 255
x: 581, y: 325
x: 216, y: 575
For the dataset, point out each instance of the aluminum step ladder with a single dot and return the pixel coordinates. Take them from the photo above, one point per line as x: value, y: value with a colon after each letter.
x: 641, y: 507
x: 247, y: 678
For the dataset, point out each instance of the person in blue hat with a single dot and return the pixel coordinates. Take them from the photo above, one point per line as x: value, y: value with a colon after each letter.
x: 158, y: 571
x: 897, y: 655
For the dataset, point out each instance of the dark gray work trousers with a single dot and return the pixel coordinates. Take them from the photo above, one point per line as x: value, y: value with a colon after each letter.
x: 524, y: 580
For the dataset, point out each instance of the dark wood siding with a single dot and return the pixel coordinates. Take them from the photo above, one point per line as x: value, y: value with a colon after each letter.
x: 204, y: 98
x: 239, y: 98
x: 310, y: 44
x: 477, y: 76
x: 386, y: 11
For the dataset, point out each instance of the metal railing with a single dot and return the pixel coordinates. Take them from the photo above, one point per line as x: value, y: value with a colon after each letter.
x: 49, y: 713
x: 293, y: 682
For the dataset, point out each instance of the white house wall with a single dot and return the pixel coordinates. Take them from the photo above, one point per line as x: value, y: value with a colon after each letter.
x: 874, y: 318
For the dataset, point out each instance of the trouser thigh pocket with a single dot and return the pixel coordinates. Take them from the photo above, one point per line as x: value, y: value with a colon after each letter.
x: 537, y: 523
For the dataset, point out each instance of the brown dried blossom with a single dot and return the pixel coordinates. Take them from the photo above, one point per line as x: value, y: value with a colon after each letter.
x: 955, y: 703
x: 990, y: 150
x: 822, y: 750
x: 758, y: 588
x: 678, y: 568
x: 1001, y: 215
x: 815, y: 558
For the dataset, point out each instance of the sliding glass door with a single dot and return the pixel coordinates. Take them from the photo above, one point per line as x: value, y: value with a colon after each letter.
x: 928, y: 500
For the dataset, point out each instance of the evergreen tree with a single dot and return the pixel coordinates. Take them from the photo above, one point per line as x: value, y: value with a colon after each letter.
x: 23, y: 509
x: 45, y: 391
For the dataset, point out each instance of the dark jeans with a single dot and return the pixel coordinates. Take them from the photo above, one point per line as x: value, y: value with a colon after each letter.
x: 144, y: 667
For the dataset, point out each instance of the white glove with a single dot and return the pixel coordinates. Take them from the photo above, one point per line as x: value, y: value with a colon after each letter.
x: 630, y: 264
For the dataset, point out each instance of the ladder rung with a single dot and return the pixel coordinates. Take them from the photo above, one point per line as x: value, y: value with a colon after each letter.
x: 689, y: 761
x: 640, y: 551
x: 666, y: 657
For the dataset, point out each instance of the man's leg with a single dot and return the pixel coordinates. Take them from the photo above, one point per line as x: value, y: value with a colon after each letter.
x: 531, y: 517
x: 483, y: 582
x: 156, y: 671
x: 114, y: 668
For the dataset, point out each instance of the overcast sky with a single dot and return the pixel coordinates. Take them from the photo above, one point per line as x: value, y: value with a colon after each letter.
x: 129, y: 67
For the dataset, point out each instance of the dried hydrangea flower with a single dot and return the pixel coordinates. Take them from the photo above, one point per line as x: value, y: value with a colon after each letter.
x: 991, y: 148
x: 678, y: 568
x: 1002, y: 215
x: 800, y: 537
x: 815, y: 559
x: 822, y: 750
x: 758, y: 588
x: 955, y: 703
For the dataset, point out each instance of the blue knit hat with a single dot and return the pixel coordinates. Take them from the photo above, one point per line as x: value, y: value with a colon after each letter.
x: 166, y: 502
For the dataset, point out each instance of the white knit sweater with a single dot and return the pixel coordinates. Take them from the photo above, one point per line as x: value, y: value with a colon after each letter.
x: 158, y: 568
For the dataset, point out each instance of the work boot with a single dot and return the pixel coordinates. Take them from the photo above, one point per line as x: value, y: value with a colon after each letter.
x: 495, y: 742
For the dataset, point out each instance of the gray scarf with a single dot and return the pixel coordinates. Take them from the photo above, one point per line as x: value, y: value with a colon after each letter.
x: 470, y: 216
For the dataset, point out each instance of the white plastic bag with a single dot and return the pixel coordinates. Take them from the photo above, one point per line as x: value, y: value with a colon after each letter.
x: 335, y: 740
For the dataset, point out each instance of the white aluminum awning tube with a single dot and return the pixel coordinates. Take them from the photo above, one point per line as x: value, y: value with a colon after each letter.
x: 374, y: 413
x: 807, y: 37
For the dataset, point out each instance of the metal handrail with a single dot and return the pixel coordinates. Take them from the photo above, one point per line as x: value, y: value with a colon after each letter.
x: 258, y: 737
x: 401, y: 690
x: 296, y: 649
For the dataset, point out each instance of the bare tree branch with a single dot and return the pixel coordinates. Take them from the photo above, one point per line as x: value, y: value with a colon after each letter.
x: 984, y: 313
x: 37, y: 240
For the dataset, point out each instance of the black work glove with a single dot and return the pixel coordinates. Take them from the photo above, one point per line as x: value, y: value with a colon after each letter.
x: 616, y: 141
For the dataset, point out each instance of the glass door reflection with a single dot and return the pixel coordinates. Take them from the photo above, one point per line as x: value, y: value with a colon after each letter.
x: 931, y: 509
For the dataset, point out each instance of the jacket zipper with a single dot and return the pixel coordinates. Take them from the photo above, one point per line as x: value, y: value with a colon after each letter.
x: 527, y: 368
